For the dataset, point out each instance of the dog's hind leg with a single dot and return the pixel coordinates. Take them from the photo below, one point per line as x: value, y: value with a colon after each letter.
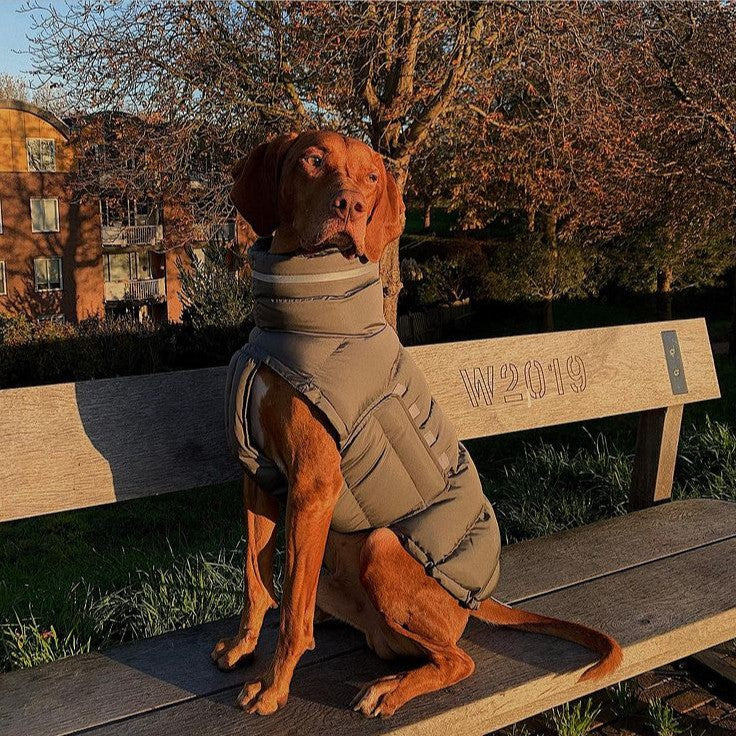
x: 416, y: 607
x: 261, y: 514
x: 341, y: 595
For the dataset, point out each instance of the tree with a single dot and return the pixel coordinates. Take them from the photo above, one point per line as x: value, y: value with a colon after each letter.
x: 526, y: 268
x: 553, y: 147
x: 48, y: 96
x: 687, y: 65
x: 14, y: 88
x: 212, y: 293
x: 675, y: 250
x: 218, y: 77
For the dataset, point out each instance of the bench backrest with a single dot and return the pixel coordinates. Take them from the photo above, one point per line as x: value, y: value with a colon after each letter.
x: 81, y: 444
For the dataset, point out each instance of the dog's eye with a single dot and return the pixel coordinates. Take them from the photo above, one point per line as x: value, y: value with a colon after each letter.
x: 373, y: 177
x: 315, y: 161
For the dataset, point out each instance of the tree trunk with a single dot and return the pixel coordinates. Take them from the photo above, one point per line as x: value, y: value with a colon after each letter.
x: 390, y: 273
x: 664, y: 293
x: 548, y: 315
x: 549, y: 235
x: 732, y: 335
x: 427, y: 215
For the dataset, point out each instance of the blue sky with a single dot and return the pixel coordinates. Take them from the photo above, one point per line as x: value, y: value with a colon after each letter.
x: 14, y: 27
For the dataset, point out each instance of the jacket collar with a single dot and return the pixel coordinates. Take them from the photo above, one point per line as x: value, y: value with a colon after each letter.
x: 323, y: 293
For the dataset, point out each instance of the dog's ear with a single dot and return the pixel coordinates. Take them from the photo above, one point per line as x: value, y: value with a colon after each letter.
x: 386, y: 220
x: 255, y: 190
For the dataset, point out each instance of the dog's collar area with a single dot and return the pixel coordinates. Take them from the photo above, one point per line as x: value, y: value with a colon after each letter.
x: 321, y: 293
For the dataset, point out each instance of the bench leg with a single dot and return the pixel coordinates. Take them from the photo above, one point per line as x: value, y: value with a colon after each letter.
x: 261, y: 514
x: 656, y: 452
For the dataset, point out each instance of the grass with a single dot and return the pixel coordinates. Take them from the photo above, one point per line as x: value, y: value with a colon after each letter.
x: 663, y: 720
x: 624, y: 698
x: 574, y: 719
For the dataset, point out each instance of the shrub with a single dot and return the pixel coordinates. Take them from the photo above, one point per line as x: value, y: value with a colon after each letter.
x: 37, y: 353
x: 214, y: 295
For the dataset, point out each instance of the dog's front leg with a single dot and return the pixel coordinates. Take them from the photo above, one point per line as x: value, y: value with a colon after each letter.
x: 261, y: 512
x: 312, y: 497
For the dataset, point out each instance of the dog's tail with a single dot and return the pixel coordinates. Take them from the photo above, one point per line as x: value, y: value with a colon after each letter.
x: 606, y: 647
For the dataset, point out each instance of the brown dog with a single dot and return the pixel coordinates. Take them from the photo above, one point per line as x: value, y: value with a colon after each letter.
x: 312, y: 191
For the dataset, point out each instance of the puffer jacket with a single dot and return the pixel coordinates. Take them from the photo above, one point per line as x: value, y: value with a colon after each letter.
x: 320, y: 326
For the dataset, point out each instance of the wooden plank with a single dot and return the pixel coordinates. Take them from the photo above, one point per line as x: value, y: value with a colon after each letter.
x: 546, y: 564
x: 489, y: 387
x: 81, y: 444
x: 94, y: 442
x: 77, y: 693
x: 721, y: 660
x: 173, y: 668
x: 656, y: 453
x: 659, y: 612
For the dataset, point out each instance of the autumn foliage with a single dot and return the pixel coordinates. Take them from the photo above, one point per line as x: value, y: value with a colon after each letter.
x: 604, y: 131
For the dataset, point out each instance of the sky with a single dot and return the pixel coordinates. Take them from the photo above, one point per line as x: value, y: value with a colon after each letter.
x: 14, y: 27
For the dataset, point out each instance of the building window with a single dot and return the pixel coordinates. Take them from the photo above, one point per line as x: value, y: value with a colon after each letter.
x: 127, y: 266
x: 47, y: 273
x: 58, y: 319
x: 41, y: 154
x: 126, y: 212
x: 44, y: 215
x: 3, y: 285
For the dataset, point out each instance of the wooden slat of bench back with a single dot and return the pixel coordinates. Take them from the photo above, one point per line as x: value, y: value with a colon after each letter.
x: 93, y: 442
x: 491, y: 387
x: 74, y: 445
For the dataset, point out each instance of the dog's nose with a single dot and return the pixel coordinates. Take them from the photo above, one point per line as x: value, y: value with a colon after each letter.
x: 348, y: 204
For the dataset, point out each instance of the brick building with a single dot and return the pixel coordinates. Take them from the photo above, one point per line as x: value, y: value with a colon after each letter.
x: 50, y: 254
x: 61, y: 259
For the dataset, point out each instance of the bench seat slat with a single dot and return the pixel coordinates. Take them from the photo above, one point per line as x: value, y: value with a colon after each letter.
x: 659, y: 611
x: 173, y: 668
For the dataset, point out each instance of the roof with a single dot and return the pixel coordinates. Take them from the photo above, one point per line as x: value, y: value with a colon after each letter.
x: 49, y: 117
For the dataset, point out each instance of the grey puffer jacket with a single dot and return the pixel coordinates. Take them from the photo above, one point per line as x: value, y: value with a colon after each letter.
x: 320, y: 325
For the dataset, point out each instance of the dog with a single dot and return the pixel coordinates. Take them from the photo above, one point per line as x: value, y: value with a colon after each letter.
x: 318, y: 194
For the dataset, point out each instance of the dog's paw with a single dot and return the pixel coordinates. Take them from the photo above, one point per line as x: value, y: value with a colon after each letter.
x: 229, y: 653
x: 262, y: 698
x: 377, y: 698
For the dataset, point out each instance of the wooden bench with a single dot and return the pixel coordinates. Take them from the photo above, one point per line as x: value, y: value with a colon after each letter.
x: 660, y: 579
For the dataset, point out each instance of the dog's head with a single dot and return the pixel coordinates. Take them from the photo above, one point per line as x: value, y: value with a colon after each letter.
x: 316, y: 190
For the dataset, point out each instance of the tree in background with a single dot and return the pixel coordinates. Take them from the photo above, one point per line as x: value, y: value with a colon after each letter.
x: 526, y: 268
x: 559, y: 112
x: 213, y: 294
x: 219, y: 77
x: 432, y: 173
x: 49, y: 95
x: 552, y: 146
x: 687, y: 66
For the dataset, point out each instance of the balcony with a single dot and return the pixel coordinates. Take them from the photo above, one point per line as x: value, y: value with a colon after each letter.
x: 125, y: 236
x: 139, y: 290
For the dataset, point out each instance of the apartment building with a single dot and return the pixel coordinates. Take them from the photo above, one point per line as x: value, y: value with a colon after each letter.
x: 50, y: 255
x: 67, y: 260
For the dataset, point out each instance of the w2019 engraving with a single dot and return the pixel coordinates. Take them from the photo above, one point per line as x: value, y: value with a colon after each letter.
x: 507, y: 384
